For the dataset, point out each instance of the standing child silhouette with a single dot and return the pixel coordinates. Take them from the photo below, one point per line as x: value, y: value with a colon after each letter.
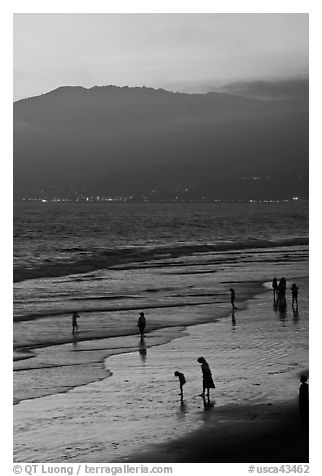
x: 232, y: 297
x: 141, y: 324
x: 75, y: 316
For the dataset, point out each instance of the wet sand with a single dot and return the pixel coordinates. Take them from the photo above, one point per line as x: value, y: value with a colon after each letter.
x: 238, y: 434
x: 256, y: 364
x: 50, y: 359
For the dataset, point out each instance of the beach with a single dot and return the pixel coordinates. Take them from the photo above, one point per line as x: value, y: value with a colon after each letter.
x: 135, y: 414
x: 103, y: 394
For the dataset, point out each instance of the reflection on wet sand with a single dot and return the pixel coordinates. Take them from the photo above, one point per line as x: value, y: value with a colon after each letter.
x: 142, y: 349
x: 183, y: 409
x: 282, y: 314
x: 296, y: 315
x: 207, y: 404
x: 233, y: 319
x: 75, y: 341
x: 280, y: 308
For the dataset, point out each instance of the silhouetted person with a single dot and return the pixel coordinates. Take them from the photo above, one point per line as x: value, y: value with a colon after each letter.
x: 141, y: 323
x: 182, y: 381
x: 232, y: 297
x: 207, y: 381
x: 304, y: 402
x: 274, y: 286
x: 75, y: 316
x: 281, y: 293
x: 295, y: 292
x: 282, y: 288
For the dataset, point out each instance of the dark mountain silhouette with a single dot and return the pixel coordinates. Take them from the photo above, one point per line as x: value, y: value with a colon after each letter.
x: 142, y: 141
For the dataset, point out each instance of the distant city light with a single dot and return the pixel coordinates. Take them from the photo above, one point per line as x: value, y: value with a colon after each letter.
x: 79, y: 198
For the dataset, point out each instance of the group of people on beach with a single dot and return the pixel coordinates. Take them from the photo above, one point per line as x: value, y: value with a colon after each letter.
x: 207, y: 379
x: 279, y: 293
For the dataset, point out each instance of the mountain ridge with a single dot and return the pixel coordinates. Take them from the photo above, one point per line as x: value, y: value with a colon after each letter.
x: 111, y: 139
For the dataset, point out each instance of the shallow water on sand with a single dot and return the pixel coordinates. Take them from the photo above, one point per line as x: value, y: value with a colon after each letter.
x: 50, y: 359
x: 257, y: 358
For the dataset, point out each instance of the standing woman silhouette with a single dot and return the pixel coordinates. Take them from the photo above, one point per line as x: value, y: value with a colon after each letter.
x: 207, y: 381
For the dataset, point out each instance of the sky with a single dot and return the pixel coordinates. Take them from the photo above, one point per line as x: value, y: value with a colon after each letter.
x: 178, y: 52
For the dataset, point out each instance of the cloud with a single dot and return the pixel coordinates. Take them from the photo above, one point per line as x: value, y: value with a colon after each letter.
x: 277, y: 89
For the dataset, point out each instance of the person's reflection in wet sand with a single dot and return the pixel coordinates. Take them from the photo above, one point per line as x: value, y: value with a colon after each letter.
x: 233, y: 319
x: 207, y: 404
x: 275, y: 306
x: 142, y: 349
x: 74, y: 340
x: 282, y: 314
x: 295, y: 315
x: 183, y: 409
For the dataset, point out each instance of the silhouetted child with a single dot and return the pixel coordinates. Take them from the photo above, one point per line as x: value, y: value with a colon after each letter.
x: 207, y: 381
x: 75, y: 316
x: 182, y: 381
x: 304, y: 401
x: 295, y: 292
x: 232, y: 297
x: 274, y: 286
x: 141, y: 323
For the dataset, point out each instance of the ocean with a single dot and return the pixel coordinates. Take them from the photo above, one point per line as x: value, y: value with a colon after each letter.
x: 174, y: 261
x: 57, y: 239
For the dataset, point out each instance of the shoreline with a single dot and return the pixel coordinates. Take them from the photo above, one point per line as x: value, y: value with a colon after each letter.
x: 97, y: 370
x: 156, y: 335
